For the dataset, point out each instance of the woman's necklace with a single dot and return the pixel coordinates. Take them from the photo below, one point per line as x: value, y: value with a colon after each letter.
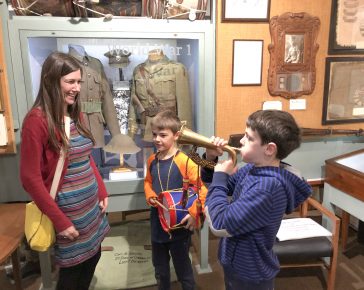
x: 169, y: 173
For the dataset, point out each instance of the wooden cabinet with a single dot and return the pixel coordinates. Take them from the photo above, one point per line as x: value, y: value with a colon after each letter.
x: 7, y: 140
x: 344, y: 182
x: 345, y: 172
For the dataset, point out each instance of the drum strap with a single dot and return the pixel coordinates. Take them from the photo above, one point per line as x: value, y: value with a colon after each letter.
x: 184, y: 199
x: 186, y: 185
x: 169, y: 173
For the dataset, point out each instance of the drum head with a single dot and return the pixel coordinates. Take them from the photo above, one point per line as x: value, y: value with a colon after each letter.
x: 172, y: 212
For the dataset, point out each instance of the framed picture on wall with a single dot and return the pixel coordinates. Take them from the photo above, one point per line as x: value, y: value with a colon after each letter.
x: 346, y: 27
x: 247, y: 62
x: 245, y: 11
x: 292, y: 68
x: 343, y: 90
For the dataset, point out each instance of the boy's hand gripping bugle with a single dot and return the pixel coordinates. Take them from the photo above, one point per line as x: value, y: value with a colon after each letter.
x: 188, y: 137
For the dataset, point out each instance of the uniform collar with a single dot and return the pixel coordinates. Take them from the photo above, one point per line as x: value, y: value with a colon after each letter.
x: 154, y: 67
x: 77, y: 56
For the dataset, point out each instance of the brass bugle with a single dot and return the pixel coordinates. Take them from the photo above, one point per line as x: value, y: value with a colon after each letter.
x: 188, y: 137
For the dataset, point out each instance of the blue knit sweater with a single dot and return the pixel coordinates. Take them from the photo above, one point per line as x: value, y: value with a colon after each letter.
x: 252, y: 216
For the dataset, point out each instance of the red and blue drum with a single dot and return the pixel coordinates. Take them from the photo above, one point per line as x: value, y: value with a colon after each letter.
x: 171, y: 211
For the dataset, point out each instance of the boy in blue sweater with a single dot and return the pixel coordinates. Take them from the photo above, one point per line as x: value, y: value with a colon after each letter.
x: 261, y: 193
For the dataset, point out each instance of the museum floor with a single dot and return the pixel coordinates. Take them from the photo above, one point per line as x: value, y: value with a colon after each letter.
x: 350, y: 270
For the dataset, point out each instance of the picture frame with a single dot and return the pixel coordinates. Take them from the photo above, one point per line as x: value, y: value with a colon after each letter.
x: 346, y: 34
x: 245, y: 11
x: 247, y: 62
x: 292, y: 69
x: 343, y: 90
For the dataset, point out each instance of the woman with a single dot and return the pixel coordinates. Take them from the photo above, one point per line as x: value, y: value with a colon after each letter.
x: 78, y: 211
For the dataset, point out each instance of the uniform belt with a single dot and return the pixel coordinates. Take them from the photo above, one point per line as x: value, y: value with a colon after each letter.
x: 91, y: 107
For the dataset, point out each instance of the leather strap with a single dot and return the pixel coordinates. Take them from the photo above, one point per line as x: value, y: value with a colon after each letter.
x: 149, y: 90
x: 60, y: 164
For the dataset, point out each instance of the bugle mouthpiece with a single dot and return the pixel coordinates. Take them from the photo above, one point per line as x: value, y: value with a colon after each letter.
x: 235, y: 148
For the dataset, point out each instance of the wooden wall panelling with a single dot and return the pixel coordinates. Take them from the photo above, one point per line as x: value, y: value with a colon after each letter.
x: 5, y: 108
x: 234, y: 104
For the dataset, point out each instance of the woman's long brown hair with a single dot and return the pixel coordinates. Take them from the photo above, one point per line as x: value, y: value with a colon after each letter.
x: 51, y: 100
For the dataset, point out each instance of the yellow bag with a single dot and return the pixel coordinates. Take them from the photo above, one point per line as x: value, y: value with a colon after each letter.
x: 39, y: 230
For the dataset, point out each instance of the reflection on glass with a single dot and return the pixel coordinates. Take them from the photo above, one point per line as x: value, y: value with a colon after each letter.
x: 355, y: 162
x: 294, y: 83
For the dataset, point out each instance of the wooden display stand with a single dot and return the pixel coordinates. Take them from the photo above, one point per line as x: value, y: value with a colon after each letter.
x: 344, y: 183
x: 7, y: 140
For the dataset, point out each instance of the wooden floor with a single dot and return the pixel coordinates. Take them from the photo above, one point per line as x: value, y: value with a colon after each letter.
x: 350, y: 271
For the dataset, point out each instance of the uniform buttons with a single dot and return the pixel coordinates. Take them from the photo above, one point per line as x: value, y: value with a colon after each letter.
x: 90, y: 89
x: 90, y: 100
x: 85, y: 63
x: 89, y: 75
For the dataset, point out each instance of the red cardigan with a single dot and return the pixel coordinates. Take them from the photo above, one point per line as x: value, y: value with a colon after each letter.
x: 38, y: 163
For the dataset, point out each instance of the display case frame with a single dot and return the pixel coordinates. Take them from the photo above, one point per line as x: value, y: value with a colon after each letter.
x: 127, y: 194
x: 24, y: 28
x: 7, y: 144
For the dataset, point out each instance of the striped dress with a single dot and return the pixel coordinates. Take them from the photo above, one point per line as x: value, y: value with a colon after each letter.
x: 78, y: 199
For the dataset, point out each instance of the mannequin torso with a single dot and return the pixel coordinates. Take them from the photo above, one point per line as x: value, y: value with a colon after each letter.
x: 80, y: 50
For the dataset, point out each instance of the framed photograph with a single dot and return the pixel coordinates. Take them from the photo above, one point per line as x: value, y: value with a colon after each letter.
x: 247, y: 62
x: 245, y: 11
x: 292, y: 70
x: 346, y: 27
x: 343, y: 90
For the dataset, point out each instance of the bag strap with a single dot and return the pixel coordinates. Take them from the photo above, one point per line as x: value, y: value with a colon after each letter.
x: 60, y: 164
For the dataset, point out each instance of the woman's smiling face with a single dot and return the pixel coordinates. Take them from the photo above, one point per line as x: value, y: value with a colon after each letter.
x: 70, y: 87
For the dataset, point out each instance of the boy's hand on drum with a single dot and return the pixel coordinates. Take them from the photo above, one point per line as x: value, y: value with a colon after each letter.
x: 152, y: 201
x: 211, y: 153
x: 189, y: 222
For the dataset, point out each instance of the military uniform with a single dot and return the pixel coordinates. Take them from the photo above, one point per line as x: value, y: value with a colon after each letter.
x: 96, y: 99
x: 157, y: 86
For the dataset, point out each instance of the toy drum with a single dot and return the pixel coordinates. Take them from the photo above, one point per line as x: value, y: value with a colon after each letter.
x: 170, y: 209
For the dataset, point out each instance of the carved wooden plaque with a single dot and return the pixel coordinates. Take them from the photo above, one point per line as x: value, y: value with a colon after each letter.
x: 292, y: 70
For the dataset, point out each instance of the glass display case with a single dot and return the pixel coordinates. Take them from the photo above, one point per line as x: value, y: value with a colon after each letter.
x: 122, y: 80
x: 344, y: 182
x: 346, y: 172
x: 188, y: 43
x: 192, y: 44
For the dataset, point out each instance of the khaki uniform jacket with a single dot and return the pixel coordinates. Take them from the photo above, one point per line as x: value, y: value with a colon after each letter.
x: 96, y: 98
x: 157, y: 86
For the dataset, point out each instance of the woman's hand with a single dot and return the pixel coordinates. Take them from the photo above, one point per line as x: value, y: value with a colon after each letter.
x: 211, y: 154
x: 70, y: 233
x: 103, y: 204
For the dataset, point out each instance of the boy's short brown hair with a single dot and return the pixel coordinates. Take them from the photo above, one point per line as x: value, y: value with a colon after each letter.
x: 166, y: 120
x: 278, y: 127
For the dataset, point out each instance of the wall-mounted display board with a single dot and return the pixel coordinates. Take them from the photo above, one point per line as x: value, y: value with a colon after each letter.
x: 292, y: 69
x: 343, y: 91
x: 7, y: 142
x: 346, y: 28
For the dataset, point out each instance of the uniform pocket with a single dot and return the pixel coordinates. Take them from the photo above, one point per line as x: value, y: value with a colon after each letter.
x: 97, y: 87
x: 165, y: 87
